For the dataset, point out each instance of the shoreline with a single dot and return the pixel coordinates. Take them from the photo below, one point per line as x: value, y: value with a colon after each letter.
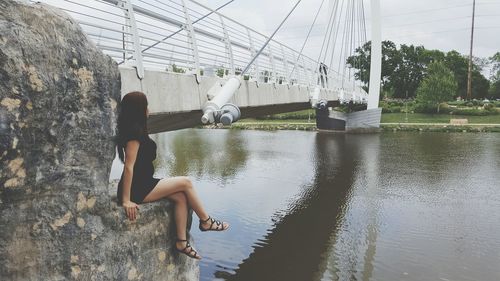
x: 275, y: 125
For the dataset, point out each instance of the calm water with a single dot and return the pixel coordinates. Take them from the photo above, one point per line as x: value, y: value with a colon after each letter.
x: 311, y: 206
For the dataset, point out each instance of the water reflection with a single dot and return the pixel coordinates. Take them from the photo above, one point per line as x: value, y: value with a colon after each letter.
x: 297, y: 244
x: 192, y: 152
x: 353, y: 243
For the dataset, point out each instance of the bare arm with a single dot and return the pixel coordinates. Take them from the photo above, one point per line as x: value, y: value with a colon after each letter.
x: 131, y: 149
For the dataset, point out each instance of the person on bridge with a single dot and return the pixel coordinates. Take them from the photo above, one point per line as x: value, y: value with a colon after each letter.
x: 137, y: 184
x: 323, y: 75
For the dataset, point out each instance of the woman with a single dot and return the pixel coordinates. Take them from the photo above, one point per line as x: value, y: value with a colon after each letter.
x: 137, y: 184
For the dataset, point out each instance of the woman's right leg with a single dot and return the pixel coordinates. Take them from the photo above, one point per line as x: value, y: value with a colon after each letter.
x: 169, y: 186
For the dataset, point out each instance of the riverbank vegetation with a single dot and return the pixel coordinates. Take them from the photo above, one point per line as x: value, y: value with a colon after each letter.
x: 404, y: 68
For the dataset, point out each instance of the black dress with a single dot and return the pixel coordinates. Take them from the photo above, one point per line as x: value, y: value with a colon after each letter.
x: 142, y: 179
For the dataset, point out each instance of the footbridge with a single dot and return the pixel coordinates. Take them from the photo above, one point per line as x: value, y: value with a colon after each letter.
x: 198, y: 66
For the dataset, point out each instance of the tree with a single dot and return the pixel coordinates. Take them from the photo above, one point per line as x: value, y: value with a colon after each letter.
x: 495, y: 66
x: 403, y: 69
x: 459, y: 64
x: 362, y: 58
x: 495, y: 90
x: 410, y: 71
x: 495, y: 76
x: 438, y: 86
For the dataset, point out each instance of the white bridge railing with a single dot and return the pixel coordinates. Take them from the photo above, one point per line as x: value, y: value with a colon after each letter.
x: 168, y: 35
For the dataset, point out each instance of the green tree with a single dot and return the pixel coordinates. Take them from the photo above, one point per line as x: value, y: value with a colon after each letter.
x: 410, y: 71
x: 459, y: 64
x: 495, y: 66
x: 361, y: 62
x: 438, y: 86
x: 495, y: 76
x: 403, y: 69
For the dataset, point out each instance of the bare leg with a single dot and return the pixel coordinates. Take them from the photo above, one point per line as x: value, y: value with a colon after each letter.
x: 168, y: 186
x: 181, y: 211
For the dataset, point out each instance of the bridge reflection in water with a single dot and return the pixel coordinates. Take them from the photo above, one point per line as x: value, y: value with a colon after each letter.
x: 300, y: 243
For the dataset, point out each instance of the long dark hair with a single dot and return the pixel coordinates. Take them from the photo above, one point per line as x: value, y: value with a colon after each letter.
x: 131, y: 120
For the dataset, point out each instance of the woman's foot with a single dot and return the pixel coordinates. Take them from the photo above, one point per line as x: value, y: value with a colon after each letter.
x: 213, y: 225
x: 184, y: 247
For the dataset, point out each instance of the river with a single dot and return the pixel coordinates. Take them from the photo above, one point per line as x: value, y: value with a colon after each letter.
x: 317, y: 206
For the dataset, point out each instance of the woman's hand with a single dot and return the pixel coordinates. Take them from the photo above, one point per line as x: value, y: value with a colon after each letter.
x: 131, y: 209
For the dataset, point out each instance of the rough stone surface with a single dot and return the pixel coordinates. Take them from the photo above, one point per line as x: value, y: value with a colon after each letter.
x: 58, y: 220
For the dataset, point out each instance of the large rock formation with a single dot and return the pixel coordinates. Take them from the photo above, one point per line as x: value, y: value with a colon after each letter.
x: 58, y: 100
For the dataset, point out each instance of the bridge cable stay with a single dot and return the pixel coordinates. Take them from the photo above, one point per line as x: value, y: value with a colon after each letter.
x: 307, y: 37
x: 327, y: 39
x: 347, y: 46
x: 363, y: 21
x: 329, y: 26
x: 331, y: 30
x: 360, y: 31
x: 345, y: 32
x: 350, y: 31
x: 179, y: 30
x: 353, y: 37
x: 361, y: 34
x: 341, y: 55
x: 269, y: 39
x: 362, y: 40
x: 321, y: 60
x: 321, y: 67
x: 335, y: 37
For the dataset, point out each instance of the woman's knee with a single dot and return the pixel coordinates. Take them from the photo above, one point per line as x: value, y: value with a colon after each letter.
x: 178, y: 198
x: 186, y: 182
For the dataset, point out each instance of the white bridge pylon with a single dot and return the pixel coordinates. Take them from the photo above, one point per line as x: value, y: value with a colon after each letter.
x: 188, y: 38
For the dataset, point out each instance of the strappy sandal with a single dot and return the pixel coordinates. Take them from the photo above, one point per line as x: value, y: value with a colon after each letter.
x: 219, y: 225
x: 189, y: 254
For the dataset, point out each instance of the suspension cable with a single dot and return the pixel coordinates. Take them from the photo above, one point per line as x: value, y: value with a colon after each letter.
x: 330, y: 35
x: 307, y: 37
x: 330, y: 21
x: 269, y: 39
x: 335, y: 36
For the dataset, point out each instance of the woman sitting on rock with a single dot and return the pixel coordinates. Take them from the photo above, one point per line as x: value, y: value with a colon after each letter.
x: 137, y: 184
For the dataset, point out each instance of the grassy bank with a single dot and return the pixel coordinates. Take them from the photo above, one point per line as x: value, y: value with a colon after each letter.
x: 309, y: 114
x: 425, y: 127
x: 421, y: 122
x: 437, y: 118
x: 303, y: 125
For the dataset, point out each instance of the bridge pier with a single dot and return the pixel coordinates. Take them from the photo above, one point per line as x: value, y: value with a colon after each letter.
x: 365, y: 121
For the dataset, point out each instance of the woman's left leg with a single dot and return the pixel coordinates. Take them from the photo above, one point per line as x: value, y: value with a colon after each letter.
x: 181, y: 214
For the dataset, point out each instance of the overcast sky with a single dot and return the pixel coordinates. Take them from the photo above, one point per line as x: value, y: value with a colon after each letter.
x: 436, y: 24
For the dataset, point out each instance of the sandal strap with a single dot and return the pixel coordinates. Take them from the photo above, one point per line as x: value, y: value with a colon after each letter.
x: 219, y: 224
x: 206, y: 219
x: 190, y: 251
